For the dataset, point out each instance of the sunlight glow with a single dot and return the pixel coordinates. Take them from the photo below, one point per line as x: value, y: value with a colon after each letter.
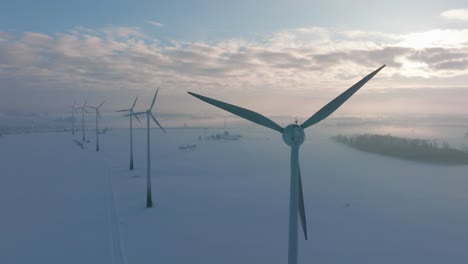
x: 434, y: 38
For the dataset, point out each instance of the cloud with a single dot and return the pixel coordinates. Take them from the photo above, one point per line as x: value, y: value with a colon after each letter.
x: 455, y: 14
x: 451, y: 65
x: 372, y: 35
x: 154, y: 23
x: 435, y: 38
x: 297, y: 56
x: 442, y: 58
x: 117, y: 62
x: 122, y: 32
x: 4, y: 36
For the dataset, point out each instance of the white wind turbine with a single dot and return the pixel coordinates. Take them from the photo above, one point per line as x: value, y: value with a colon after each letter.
x: 83, y: 110
x: 73, y: 111
x: 293, y: 136
x: 149, y: 201
x: 131, y: 114
x: 98, y: 115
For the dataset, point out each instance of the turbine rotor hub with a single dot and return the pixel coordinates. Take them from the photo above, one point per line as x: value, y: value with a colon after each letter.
x: 293, y: 135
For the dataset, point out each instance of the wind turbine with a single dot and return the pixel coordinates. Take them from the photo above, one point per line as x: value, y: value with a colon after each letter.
x: 149, y: 201
x: 73, y: 111
x: 131, y: 114
x: 83, y: 110
x: 293, y: 136
x: 98, y: 115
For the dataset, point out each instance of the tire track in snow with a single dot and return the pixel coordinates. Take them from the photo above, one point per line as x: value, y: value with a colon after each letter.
x: 116, y: 244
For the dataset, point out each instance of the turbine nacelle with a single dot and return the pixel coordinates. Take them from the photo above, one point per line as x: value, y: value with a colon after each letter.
x: 293, y: 135
x: 148, y: 112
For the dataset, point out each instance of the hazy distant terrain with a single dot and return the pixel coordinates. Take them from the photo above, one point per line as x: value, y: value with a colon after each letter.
x: 419, y: 150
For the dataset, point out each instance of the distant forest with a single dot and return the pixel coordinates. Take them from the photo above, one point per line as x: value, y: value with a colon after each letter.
x: 419, y: 150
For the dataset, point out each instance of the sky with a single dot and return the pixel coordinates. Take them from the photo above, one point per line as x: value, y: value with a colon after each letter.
x: 280, y: 58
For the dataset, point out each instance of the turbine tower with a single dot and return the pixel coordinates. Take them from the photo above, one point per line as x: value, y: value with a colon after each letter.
x: 83, y: 110
x: 149, y: 200
x: 293, y: 135
x: 98, y: 115
x: 73, y: 111
x: 131, y: 114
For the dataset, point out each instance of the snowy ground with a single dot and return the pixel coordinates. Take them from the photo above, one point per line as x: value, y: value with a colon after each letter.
x: 223, y: 202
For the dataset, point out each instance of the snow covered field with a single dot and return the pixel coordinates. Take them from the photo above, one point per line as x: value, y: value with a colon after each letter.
x: 223, y: 202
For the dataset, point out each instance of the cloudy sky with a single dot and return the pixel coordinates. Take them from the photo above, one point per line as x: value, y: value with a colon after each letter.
x: 281, y: 58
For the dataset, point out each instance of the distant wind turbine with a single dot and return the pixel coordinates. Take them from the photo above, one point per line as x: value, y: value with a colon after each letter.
x: 98, y: 115
x: 83, y: 110
x: 73, y: 111
x: 149, y: 201
x: 131, y: 114
x: 293, y: 136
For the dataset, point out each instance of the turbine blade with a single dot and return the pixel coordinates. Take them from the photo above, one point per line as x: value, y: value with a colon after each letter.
x: 242, y: 112
x: 157, y: 123
x: 123, y: 110
x: 136, y: 117
x: 154, y: 99
x: 101, y: 104
x: 134, y: 103
x: 338, y: 101
x: 138, y: 113
x: 99, y: 114
x: 301, y: 206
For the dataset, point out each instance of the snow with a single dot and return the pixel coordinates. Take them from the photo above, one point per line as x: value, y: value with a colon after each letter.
x: 223, y: 202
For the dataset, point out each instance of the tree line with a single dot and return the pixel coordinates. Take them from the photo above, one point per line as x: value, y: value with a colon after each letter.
x: 420, y: 150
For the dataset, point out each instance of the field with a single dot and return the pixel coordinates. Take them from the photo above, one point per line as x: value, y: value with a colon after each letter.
x: 222, y: 202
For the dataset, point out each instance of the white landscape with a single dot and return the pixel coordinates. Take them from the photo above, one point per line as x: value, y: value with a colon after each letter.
x: 225, y: 201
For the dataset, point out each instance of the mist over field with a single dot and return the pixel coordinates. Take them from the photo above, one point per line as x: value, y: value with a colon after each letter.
x: 227, y: 200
